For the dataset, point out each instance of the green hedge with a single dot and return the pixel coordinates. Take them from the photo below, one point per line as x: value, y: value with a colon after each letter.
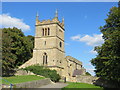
x: 40, y: 70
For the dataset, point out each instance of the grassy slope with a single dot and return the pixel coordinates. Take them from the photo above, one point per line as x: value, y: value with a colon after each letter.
x: 81, y: 85
x: 21, y: 79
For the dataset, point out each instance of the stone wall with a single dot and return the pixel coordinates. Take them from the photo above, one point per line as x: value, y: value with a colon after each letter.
x: 96, y: 81
x: 86, y: 79
x: 33, y: 84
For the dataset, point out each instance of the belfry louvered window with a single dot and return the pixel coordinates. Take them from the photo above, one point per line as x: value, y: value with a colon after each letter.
x: 45, y: 31
x: 48, y: 31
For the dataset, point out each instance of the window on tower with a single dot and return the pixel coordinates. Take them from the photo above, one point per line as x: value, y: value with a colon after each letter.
x: 43, y: 32
x: 45, y: 59
x: 60, y: 44
x: 48, y: 31
x: 45, y: 43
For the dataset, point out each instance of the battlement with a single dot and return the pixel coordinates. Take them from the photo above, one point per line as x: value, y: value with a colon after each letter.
x: 54, y: 20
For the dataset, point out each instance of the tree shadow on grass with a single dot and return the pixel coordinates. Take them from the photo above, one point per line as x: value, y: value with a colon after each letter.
x: 107, y: 85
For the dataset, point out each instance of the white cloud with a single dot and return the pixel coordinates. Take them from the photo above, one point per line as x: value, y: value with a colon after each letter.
x: 8, y: 21
x: 93, y: 52
x: 90, y: 70
x: 89, y: 64
x: 94, y: 40
x: 67, y: 44
x: 76, y: 38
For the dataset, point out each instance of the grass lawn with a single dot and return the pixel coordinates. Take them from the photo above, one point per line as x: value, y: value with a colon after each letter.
x: 20, y: 79
x: 81, y: 85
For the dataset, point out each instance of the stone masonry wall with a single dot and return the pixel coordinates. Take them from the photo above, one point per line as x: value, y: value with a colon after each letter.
x: 96, y: 81
x: 33, y: 84
x: 86, y: 79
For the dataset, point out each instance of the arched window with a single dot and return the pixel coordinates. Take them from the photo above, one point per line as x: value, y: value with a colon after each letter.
x: 48, y: 31
x: 45, y: 59
x: 43, y: 31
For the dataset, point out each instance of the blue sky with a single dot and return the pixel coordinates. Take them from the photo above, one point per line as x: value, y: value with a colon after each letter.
x: 82, y: 22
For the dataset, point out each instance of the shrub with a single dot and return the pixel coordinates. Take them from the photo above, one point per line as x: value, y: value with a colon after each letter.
x: 44, y: 71
x: 54, y: 76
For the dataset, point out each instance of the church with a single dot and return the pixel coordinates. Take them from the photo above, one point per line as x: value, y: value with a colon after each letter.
x: 49, y: 49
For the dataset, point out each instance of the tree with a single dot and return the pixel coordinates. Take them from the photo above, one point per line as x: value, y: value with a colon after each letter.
x: 17, y: 49
x: 8, y: 58
x: 107, y: 62
x: 1, y: 51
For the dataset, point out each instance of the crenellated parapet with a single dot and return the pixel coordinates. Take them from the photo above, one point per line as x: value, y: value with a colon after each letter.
x: 54, y: 20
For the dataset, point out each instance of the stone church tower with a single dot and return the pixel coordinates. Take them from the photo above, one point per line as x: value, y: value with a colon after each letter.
x: 49, y: 42
x: 49, y: 49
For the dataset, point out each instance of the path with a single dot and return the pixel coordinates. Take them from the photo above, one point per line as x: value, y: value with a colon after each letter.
x: 55, y: 85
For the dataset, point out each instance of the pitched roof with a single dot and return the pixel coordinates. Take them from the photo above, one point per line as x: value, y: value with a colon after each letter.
x: 73, y: 60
